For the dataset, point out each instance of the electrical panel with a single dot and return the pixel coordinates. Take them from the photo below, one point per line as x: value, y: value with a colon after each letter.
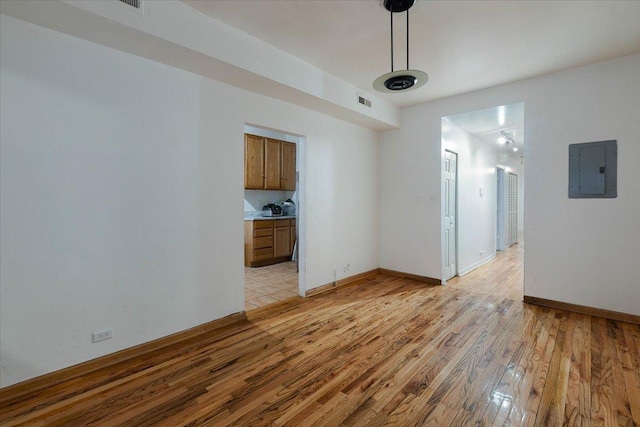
x: 593, y: 169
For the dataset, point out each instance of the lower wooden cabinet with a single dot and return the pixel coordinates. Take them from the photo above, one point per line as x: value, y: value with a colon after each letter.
x: 282, y: 241
x: 268, y: 242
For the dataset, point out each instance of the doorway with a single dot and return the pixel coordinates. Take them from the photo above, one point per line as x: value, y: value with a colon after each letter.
x: 273, y: 217
x: 450, y: 181
x: 489, y: 146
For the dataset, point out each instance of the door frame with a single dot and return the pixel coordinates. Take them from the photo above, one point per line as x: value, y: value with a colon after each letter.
x: 500, y: 208
x: 442, y: 217
x: 301, y: 185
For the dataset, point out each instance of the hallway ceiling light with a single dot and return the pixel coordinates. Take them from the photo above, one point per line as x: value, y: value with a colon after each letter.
x: 515, y: 149
x: 401, y: 80
x: 505, y: 138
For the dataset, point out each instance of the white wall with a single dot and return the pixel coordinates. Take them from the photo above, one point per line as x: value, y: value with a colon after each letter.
x: 476, y: 212
x: 578, y: 251
x: 410, y: 193
x: 113, y: 172
x: 174, y: 33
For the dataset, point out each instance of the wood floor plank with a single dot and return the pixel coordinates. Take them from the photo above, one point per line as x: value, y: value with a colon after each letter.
x: 603, y: 411
x: 516, y: 388
x: 552, y: 401
x: 616, y: 343
x: 577, y: 411
x: 387, y: 351
x: 631, y: 371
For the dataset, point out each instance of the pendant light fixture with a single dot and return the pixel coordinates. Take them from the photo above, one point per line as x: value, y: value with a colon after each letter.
x: 401, y: 80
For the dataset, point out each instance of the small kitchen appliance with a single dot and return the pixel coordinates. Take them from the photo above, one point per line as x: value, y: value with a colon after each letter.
x: 271, y: 210
x: 288, y: 207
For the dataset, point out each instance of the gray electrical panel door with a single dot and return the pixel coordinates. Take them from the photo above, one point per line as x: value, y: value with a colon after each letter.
x: 593, y: 170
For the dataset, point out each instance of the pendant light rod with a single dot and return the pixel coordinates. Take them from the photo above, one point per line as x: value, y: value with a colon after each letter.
x: 407, y: 39
x: 401, y: 80
x: 391, y: 13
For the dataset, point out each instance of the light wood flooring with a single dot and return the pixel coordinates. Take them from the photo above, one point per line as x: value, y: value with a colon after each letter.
x: 268, y: 285
x: 388, y: 351
x: 501, y: 277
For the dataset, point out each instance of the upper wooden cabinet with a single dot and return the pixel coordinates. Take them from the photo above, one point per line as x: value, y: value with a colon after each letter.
x: 288, y: 166
x: 269, y: 164
x: 253, y: 162
x: 272, y: 164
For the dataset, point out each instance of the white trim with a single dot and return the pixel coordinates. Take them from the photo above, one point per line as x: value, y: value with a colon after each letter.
x: 476, y: 265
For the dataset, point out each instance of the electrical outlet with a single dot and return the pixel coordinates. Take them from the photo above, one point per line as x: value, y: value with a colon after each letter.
x: 346, y: 268
x: 101, y: 336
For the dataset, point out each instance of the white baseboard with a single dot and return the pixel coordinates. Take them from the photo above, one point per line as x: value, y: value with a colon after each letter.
x: 476, y: 265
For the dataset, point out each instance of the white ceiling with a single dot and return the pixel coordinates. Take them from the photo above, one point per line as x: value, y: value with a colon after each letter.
x: 487, y: 125
x: 462, y: 45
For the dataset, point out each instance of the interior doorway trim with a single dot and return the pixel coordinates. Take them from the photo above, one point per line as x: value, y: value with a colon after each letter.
x: 301, y: 185
x: 500, y: 209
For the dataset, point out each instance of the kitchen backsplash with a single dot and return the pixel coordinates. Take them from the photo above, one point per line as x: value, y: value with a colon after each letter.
x: 254, y: 200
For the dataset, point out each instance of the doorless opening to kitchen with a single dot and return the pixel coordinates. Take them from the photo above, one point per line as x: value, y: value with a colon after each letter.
x: 273, y: 203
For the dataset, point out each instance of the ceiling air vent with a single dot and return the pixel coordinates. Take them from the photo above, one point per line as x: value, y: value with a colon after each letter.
x: 364, y: 101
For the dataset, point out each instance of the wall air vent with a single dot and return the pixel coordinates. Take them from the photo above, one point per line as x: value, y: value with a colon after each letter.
x: 133, y: 3
x: 364, y: 101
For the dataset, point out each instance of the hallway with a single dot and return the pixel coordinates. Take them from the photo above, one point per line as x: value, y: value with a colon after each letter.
x: 503, y: 276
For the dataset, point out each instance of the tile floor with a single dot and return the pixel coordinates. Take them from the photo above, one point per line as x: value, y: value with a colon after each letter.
x: 266, y: 285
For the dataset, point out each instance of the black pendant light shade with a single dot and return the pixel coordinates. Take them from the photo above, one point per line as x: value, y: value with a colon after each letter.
x: 398, y: 5
x: 402, y: 80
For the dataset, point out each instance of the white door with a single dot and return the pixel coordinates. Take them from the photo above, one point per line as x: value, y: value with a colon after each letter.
x: 449, y: 175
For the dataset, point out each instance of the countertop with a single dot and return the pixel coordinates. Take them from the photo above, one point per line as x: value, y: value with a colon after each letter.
x: 263, y: 218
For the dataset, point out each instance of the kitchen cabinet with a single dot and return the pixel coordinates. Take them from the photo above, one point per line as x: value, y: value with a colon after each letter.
x: 282, y: 239
x: 272, y: 164
x: 288, y: 166
x: 253, y: 162
x: 268, y: 242
x: 269, y: 164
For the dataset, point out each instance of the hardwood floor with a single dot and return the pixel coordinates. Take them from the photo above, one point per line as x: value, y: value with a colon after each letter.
x: 389, y: 351
x: 502, y: 276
